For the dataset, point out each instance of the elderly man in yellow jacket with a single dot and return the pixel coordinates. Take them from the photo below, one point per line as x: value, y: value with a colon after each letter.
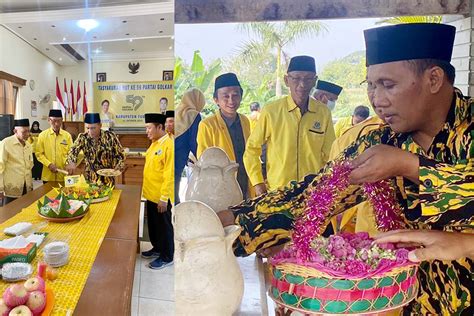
x: 52, y: 148
x: 227, y: 129
x: 327, y: 92
x: 16, y: 162
x: 158, y: 190
x: 297, y: 130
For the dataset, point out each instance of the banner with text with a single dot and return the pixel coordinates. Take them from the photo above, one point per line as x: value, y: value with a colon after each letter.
x: 129, y: 101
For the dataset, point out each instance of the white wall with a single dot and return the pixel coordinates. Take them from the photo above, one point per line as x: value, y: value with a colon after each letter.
x: 20, y: 59
x: 150, y: 70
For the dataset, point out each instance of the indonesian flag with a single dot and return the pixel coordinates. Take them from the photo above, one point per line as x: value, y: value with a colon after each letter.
x: 65, y: 98
x: 78, y: 98
x: 73, y: 104
x: 59, y: 97
x: 84, y: 101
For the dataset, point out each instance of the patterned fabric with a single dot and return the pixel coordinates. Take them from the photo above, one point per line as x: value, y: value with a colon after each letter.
x: 443, y: 201
x: 106, y: 153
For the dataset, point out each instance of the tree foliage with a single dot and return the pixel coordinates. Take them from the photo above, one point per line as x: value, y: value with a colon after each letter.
x: 348, y: 72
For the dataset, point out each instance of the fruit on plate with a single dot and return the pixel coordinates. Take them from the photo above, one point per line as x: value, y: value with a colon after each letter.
x: 36, y: 302
x: 35, y: 284
x: 15, y: 295
x: 4, y: 309
x: 22, y: 310
x: 93, y: 191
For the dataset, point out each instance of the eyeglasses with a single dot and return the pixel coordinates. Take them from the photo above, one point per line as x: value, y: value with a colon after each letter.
x: 305, y: 80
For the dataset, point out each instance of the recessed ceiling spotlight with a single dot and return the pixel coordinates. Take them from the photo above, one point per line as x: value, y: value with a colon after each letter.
x: 87, y: 24
x: 34, y: 38
x: 162, y: 19
x: 53, y: 25
x: 133, y: 49
x: 60, y: 59
x: 20, y: 27
x: 171, y: 47
x: 172, y: 37
x: 127, y: 34
x: 160, y: 32
x: 64, y: 39
x: 131, y: 40
x: 124, y: 21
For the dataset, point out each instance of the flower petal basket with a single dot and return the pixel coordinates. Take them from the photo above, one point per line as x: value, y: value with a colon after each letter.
x: 318, y: 287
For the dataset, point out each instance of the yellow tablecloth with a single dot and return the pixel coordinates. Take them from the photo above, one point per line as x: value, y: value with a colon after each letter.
x: 84, y: 238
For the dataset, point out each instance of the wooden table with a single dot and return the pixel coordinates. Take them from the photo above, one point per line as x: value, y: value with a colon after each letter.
x: 108, y: 290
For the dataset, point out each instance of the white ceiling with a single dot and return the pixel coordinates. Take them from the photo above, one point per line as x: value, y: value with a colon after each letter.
x: 7, y: 6
x: 136, y: 31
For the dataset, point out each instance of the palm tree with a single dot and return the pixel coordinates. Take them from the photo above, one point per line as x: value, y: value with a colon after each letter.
x: 411, y: 19
x: 272, y: 39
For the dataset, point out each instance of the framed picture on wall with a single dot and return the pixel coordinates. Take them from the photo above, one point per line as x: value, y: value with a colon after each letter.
x: 101, y: 77
x: 34, y: 109
x: 167, y: 75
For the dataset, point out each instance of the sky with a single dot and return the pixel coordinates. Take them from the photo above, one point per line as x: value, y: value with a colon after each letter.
x: 223, y: 40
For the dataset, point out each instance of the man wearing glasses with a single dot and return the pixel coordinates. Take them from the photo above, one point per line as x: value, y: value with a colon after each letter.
x: 297, y: 129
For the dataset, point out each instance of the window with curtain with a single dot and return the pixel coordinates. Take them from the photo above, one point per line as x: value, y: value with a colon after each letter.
x: 7, y: 97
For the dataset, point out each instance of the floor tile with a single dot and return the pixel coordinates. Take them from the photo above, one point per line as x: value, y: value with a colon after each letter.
x: 158, y: 286
x: 151, y: 307
x: 136, y: 283
x: 134, y: 306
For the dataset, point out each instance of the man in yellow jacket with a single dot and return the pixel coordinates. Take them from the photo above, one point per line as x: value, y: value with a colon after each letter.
x: 16, y: 162
x: 158, y: 190
x: 361, y: 113
x: 297, y: 130
x: 52, y: 148
x: 227, y: 129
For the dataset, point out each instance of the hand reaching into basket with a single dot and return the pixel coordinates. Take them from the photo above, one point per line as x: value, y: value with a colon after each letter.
x: 431, y: 245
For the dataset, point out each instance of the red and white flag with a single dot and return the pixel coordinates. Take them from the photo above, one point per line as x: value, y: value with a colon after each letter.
x: 84, y: 101
x: 73, y: 103
x: 78, y: 99
x: 65, y: 99
x: 59, y: 98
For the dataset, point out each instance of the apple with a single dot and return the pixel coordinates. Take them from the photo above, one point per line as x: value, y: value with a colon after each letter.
x: 21, y: 310
x: 34, y: 284
x: 4, y: 309
x: 36, y: 302
x: 15, y: 295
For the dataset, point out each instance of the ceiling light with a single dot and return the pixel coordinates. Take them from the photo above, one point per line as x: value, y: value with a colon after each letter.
x: 53, y: 25
x: 60, y: 59
x: 171, y: 47
x: 172, y: 37
x: 131, y: 40
x: 124, y: 21
x: 127, y: 34
x: 162, y: 19
x: 35, y: 38
x: 64, y: 39
x: 97, y: 51
x: 87, y: 24
x: 20, y: 27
